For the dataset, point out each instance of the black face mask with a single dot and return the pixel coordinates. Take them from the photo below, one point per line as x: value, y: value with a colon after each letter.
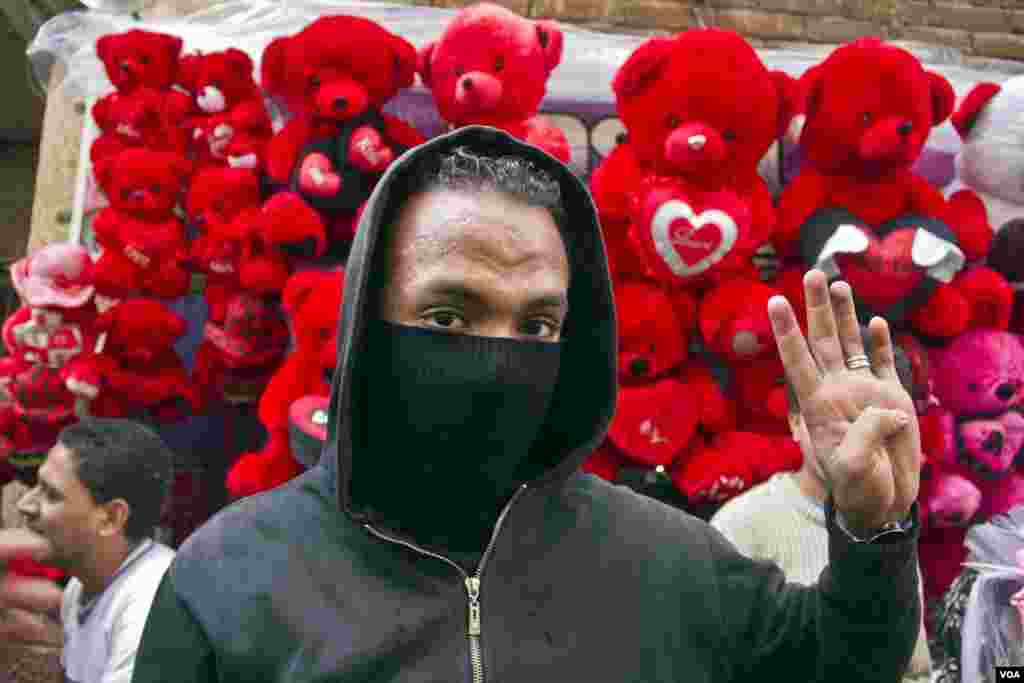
x: 445, y: 427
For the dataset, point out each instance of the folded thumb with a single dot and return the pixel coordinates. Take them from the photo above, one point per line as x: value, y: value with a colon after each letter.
x: 877, y: 424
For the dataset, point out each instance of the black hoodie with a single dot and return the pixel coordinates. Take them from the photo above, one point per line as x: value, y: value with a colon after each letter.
x: 583, y: 581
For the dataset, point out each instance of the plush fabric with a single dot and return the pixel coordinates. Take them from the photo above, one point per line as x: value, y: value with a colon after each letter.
x: 491, y: 66
x: 229, y: 124
x: 143, y: 242
x: 338, y: 141
x: 312, y: 300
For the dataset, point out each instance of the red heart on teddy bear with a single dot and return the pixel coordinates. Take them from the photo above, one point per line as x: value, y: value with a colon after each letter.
x: 884, y: 272
x: 892, y: 268
x: 654, y: 422
x: 684, y: 234
x: 317, y: 176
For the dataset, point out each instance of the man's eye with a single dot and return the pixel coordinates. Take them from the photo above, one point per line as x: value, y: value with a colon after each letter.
x: 446, y: 319
x: 540, y: 328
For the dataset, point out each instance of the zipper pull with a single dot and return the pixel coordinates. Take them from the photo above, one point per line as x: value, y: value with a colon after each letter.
x: 473, y: 589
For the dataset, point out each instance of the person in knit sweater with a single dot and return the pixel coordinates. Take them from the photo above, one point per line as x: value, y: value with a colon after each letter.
x: 782, y: 520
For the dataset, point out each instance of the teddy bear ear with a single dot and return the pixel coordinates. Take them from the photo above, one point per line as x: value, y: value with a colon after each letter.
x: 272, y: 66
x: 943, y: 98
x: 809, y: 93
x: 405, y: 62
x: 240, y: 61
x: 172, y: 45
x: 788, y: 93
x: 643, y: 66
x: 105, y: 47
x: 966, y: 115
x: 187, y: 74
x: 104, y: 171
x: 299, y: 287
x: 551, y: 40
x: 423, y: 59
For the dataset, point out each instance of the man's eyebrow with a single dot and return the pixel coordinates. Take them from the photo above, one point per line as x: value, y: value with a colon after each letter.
x: 460, y: 292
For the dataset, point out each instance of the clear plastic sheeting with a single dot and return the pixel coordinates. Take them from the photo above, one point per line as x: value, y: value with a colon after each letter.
x: 992, y: 633
x: 580, y: 87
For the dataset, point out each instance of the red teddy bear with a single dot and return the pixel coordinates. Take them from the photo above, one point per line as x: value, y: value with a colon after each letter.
x: 663, y: 398
x: 312, y: 300
x: 700, y: 110
x: 230, y: 125
x: 216, y: 197
x: 44, y: 338
x: 135, y: 370
x: 238, y: 355
x: 275, y: 240
x: 142, y: 240
x: 857, y: 210
x: 491, y: 67
x: 333, y: 77
x: 143, y: 111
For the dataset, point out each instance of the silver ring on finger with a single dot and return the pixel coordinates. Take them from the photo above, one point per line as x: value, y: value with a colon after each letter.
x: 858, y: 362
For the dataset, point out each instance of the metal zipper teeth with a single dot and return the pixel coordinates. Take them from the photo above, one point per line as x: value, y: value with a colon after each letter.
x: 472, y: 583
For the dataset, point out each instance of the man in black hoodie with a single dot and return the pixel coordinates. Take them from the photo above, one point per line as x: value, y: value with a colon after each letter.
x: 447, y: 533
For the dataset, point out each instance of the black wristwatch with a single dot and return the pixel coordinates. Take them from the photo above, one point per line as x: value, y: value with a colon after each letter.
x: 887, y: 530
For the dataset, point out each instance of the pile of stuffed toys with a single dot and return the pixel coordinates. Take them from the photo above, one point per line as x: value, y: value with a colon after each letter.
x: 205, y: 190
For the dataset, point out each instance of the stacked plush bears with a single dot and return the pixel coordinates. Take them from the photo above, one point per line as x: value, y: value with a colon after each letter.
x: 313, y: 302
x: 205, y: 191
x: 684, y: 210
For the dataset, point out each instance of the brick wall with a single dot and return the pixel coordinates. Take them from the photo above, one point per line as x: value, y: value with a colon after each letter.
x: 984, y: 28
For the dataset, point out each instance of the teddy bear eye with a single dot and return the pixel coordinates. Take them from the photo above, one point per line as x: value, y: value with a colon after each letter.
x: 155, y: 189
x: 671, y: 120
x: 866, y: 116
x: 459, y: 71
x: 314, y: 82
x: 499, y: 63
x: 973, y: 386
x: 144, y: 59
x: 729, y: 135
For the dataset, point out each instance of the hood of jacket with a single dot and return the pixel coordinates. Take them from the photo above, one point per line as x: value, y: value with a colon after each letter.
x: 584, y: 397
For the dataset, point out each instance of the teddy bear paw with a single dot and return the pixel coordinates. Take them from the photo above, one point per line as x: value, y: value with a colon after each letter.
x: 244, y: 161
x: 368, y: 151
x: 317, y: 176
x: 136, y: 257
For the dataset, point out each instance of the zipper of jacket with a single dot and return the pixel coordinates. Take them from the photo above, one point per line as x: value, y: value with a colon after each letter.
x: 472, y: 583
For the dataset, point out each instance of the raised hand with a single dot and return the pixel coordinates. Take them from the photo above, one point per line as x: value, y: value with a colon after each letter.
x: 859, y: 417
x: 27, y: 605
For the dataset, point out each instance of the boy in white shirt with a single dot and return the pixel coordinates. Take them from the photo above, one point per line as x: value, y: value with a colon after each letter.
x: 97, y: 502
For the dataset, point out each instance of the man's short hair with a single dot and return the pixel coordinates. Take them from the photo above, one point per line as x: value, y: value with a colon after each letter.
x: 117, y: 458
x: 464, y: 169
x: 903, y: 369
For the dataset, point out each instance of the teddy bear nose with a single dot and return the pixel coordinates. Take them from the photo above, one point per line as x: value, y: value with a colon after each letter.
x: 993, y: 442
x: 905, y: 128
x: 697, y: 142
x: 340, y: 103
x: 639, y: 367
x: 1006, y: 391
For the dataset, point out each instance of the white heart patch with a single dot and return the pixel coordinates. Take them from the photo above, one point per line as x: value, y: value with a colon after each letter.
x: 696, y: 248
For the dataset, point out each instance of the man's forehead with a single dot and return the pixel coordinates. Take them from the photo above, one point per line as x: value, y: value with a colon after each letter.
x: 440, y: 223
